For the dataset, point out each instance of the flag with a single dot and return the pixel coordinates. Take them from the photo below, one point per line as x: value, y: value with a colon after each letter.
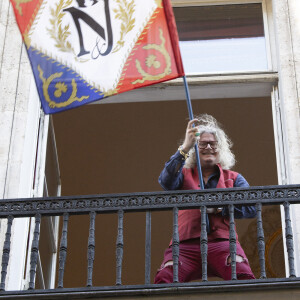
x: 85, y: 50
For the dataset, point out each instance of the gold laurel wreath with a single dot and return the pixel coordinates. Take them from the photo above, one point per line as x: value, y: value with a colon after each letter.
x: 124, y: 12
x: 61, y: 88
x: 158, y: 3
x: 61, y: 33
x: 18, y: 7
x: 151, y: 60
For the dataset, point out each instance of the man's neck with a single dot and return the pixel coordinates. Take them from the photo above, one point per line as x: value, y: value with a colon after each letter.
x: 207, y: 172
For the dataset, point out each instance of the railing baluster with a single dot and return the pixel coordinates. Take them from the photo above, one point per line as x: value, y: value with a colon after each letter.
x: 175, y: 245
x: 203, y: 243
x: 289, y: 239
x: 261, y: 242
x: 6, y: 251
x: 148, y: 248
x: 232, y: 242
x: 63, y: 251
x: 91, y: 249
x: 120, y: 245
x: 34, y: 251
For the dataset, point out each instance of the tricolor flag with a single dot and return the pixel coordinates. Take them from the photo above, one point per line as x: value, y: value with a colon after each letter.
x: 85, y: 50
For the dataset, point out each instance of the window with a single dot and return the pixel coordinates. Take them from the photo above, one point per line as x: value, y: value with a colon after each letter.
x: 47, y: 184
x: 222, y: 38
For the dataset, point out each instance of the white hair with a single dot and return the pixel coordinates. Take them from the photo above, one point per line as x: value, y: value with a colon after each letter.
x: 208, y: 124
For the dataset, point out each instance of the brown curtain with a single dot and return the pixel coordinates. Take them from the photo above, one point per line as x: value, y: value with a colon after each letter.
x: 219, y: 21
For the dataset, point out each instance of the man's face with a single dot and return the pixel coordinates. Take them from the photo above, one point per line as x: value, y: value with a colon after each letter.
x: 208, y: 155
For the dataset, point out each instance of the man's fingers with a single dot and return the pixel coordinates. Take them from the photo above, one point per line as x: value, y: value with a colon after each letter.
x: 190, y: 135
x: 192, y: 130
x: 192, y: 122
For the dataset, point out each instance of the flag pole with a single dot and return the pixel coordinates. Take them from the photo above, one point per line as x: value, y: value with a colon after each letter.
x: 191, y: 116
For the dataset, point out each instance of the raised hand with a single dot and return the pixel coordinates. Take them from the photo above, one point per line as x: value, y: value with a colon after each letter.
x: 190, y: 136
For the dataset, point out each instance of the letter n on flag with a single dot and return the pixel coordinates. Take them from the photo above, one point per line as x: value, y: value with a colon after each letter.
x: 85, y: 50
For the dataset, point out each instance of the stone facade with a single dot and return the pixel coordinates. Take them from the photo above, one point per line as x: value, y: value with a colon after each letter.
x: 20, y: 112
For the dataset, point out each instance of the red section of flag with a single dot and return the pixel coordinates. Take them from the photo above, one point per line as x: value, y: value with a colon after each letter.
x: 173, y: 34
x: 25, y: 12
x: 152, y: 60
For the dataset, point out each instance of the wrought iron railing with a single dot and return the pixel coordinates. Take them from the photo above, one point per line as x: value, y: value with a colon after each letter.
x: 148, y: 202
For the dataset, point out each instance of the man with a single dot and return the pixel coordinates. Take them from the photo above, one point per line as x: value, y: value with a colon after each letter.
x: 180, y: 172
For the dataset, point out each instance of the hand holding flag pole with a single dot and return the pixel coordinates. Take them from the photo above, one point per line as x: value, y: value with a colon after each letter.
x: 191, y: 116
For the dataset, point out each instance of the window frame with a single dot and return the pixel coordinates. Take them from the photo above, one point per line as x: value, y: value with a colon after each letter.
x: 46, y: 135
x: 267, y: 18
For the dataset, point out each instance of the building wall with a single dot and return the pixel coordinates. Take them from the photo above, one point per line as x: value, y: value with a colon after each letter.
x: 287, y: 29
x: 287, y: 25
x: 19, y: 112
x: 19, y: 115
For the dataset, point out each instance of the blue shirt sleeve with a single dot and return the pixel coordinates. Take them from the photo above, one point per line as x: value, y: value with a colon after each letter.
x: 171, y: 177
x: 241, y: 211
x: 241, y: 182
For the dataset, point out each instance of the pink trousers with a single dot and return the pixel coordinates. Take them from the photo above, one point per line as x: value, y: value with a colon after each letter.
x: 190, y: 266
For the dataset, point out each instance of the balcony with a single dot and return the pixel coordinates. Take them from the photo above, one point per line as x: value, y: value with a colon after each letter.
x: 120, y: 204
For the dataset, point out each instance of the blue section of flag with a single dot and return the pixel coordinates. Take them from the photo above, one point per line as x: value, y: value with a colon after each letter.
x: 59, y: 87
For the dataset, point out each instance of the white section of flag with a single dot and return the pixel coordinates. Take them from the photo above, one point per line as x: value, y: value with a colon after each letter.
x: 110, y: 65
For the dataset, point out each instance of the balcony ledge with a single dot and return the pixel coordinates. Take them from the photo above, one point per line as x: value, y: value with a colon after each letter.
x: 287, y: 288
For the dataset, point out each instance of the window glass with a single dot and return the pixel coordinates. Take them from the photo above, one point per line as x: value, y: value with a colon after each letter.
x: 222, y: 38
